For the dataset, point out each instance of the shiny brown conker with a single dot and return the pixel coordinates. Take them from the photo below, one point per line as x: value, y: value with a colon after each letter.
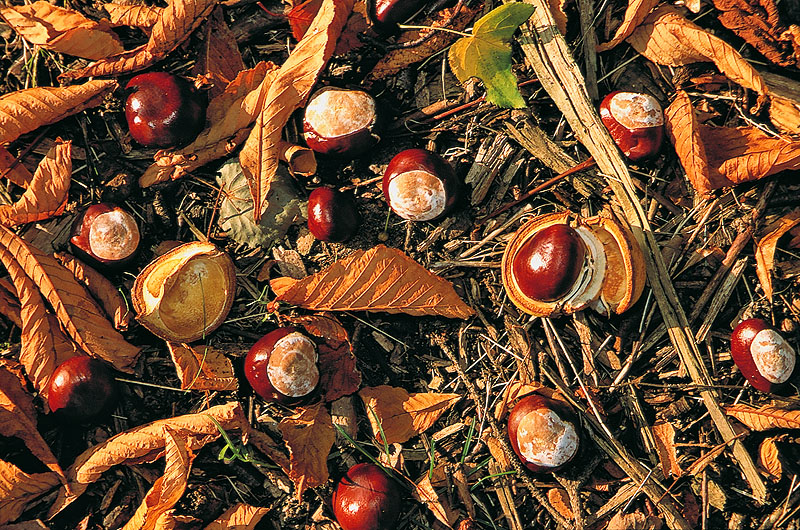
x: 765, y: 359
x: 420, y: 185
x: 82, y: 389
x: 635, y: 121
x: 543, y: 432
x: 332, y: 215
x: 105, y: 234
x: 366, y: 498
x: 282, y: 366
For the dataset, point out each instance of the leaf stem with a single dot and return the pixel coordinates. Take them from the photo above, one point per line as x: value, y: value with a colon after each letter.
x: 447, y: 30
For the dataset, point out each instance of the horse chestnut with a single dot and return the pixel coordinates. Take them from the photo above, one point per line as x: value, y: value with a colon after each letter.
x: 388, y: 13
x: 163, y: 110
x: 543, y: 432
x: 420, y: 185
x: 762, y: 355
x: 105, y: 234
x: 339, y: 121
x: 366, y: 498
x: 82, y: 389
x: 635, y: 121
x: 332, y: 215
x: 282, y: 366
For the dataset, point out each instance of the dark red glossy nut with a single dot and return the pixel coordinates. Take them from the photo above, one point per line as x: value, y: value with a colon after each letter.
x: 282, y: 366
x: 82, y: 389
x: 420, y: 185
x: 163, y: 110
x: 340, y: 121
x: 332, y: 215
x: 549, y: 264
x: 543, y: 432
x: 762, y: 355
x: 388, y: 13
x: 105, y: 234
x: 366, y: 499
x: 635, y: 121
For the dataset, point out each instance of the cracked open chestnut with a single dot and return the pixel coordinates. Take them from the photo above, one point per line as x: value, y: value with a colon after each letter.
x: 105, y: 235
x: 763, y: 356
x: 341, y: 121
x: 420, y: 185
x: 282, y: 366
x: 543, y: 432
x: 635, y: 121
x: 561, y: 263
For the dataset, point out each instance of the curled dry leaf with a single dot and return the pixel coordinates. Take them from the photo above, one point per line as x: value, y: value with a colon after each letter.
x: 379, y: 279
x: 437, y: 504
x: 9, y: 305
x: 229, y: 117
x: 18, y: 419
x: 174, y: 25
x: 634, y: 521
x: 513, y: 391
x: 309, y: 435
x: 46, y: 195
x: 62, y: 30
x: 302, y: 15
x: 683, y: 130
x: 12, y: 169
x: 397, y: 416
x: 668, y: 38
x: 18, y: 489
x: 664, y: 436
x: 288, y: 91
x: 220, y: 54
x: 769, y: 457
x: 202, y: 367
x: 26, y: 110
x: 635, y: 14
x: 137, y: 16
x: 766, y: 241
x: 168, y: 488
x: 240, y: 516
x: 765, y: 418
x: 146, y: 443
x: 758, y: 23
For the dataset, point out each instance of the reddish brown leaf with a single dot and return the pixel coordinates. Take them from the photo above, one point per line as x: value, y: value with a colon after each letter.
x: 758, y: 23
x: 309, y: 435
x: 240, y: 516
x: 766, y: 242
x: 683, y: 130
x: 220, y: 54
x: 46, y: 195
x: 62, y: 30
x: 146, y: 443
x: 338, y: 375
x: 399, y: 416
x: 287, y: 92
x: 766, y: 417
x: 634, y: 521
x: 666, y: 37
x: 380, y: 279
x: 513, y: 391
x: 437, y: 504
x: 635, y: 14
x: 769, y: 457
x: 664, y: 436
x: 302, y: 15
x: 13, y: 170
x: 559, y: 499
x: 18, y: 489
x: 9, y: 305
x: 26, y: 110
x: 112, y: 301
x: 202, y: 367
x: 138, y: 16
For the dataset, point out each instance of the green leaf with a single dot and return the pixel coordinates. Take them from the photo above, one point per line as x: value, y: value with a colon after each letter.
x: 487, y: 54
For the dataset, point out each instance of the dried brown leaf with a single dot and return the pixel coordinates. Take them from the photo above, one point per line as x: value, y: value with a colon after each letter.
x: 683, y: 130
x: 26, y: 110
x: 765, y: 418
x: 398, y: 416
x: 18, y: 489
x: 784, y: 113
x: 668, y: 38
x: 559, y: 499
x: 302, y: 15
x: 634, y: 521
x: 437, y: 504
x: 287, y: 92
x: 379, y: 279
x: 9, y: 305
x: 635, y: 14
x: 766, y: 241
x: 240, y: 516
x: 202, y: 367
x: 769, y: 458
x: 309, y: 435
x: 62, y: 30
x: 220, y: 54
x: 146, y: 443
x: 76, y: 311
x: 301, y: 160
x: 167, y: 489
x: 137, y: 16
x: 513, y: 391
x: 46, y: 195
x: 706, y: 459
x: 758, y: 23
x: 664, y: 436
x: 12, y: 169
x: 228, y: 119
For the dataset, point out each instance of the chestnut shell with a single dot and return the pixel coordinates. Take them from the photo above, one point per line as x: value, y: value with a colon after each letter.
x: 256, y: 366
x: 366, y: 499
x: 763, y: 356
x: 426, y: 162
x: 82, y: 389
x: 569, y: 442
x: 332, y: 215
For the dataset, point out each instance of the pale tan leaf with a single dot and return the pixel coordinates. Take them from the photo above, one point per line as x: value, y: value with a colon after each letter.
x: 62, y: 30
x: 18, y: 489
x: 146, y: 443
x: 634, y: 521
x: 12, y: 169
x: 289, y: 91
x: 202, y: 367
x: 668, y: 38
x: 513, y: 391
x: 137, y: 16
x: 167, y: 489
x: 398, y: 416
x: 76, y: 311
x: 683, y: 130
x: 229, y: 118
x: 706, y: 459
x: 240, y: 516
x: 769, y: 458
x: 219, y: 54
x: 379, y: 279
x: 635, y: 14
x: 26, y: 110
x: 18, y: 418
x: 664, y: 436
x: 559, y: 499
x: 765, y: 418
x: 112, y: 301
x: 437, y: 504
x: 766, y: 241
x: 46, y: 195
x: 309, y: 435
